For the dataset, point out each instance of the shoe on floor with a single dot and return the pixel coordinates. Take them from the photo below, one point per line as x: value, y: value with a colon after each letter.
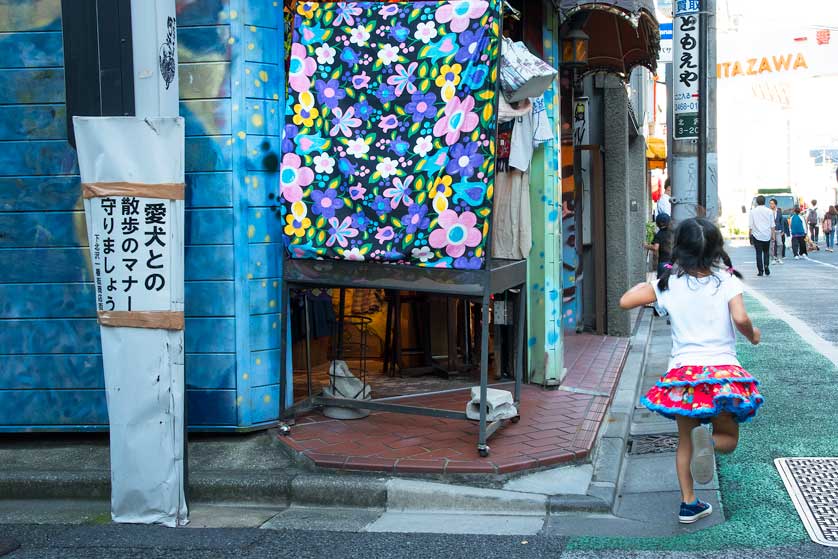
x: 767, y: 272
x: 759, y: 274
x: 695, y: 511
x: 703, y: 463
x: 781, y: 261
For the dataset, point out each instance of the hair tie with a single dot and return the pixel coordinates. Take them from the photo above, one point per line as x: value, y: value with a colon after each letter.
x: 667, y: 266
x: 731, y: 270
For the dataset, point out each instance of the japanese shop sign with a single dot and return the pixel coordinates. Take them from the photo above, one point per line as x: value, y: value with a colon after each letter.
x: 131, y: 263
x: 685, y: 63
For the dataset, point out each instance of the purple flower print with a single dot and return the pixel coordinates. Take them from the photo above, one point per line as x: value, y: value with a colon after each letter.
x: 325, y: 203
x: 404, y: 78
x: 360, y: 81
x: 380, y: 205
x: 341, y: 231
x: 400, y: 193
x: 399, y: 32
x: 464, y: 159
x: 470, y: 45
x: 421, y: 106
x: 468, y: 263
x: 363, y: 110
x: 288, y: 138
x: 416, y: 218
x: 385, y: 93
x: 360, y: 220
x: 346, y: 12
x: 399, y: 146
x: 329, y: 93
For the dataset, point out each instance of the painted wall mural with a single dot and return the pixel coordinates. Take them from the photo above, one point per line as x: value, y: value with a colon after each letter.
x: 388, y: 152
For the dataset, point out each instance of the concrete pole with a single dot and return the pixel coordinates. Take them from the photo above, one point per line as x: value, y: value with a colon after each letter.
x: 711, y: 188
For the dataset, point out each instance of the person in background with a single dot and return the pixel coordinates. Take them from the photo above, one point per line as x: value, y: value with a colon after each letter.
x: 798, y: 235
x: 777, y: 236
x: 786, y: 235
x: 828, y: 226
x: 761, y: 229
x: 662, y: 243
x: 664, y: 205
x: 814, y: 222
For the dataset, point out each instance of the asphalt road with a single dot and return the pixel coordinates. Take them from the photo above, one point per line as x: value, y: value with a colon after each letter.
x: 143, y: 542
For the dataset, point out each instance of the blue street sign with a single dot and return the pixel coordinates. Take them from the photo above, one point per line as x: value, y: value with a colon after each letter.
x: 666, y: 31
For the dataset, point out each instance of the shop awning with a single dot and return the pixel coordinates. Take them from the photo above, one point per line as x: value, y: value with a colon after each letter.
x: 656, y: 152
x: 623, y: 33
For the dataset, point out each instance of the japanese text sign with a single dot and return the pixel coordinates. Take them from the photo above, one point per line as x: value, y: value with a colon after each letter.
x: 686, y: 69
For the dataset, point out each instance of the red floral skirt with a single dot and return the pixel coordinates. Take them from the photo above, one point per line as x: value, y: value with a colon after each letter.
x: 703, y: 392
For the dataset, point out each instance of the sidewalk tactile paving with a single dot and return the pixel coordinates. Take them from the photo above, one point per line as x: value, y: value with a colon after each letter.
x: 812, y: 484
x: 556, y: 426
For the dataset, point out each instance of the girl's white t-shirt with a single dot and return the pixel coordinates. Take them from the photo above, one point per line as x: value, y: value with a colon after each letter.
x: 702, y: 328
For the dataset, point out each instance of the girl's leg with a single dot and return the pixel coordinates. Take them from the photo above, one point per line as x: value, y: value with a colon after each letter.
x: 725, y: 433
x: 683, y: 457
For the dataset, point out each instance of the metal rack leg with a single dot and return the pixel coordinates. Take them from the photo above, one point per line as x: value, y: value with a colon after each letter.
x: 482, y: 447
x: 520, y: 341
x: 308, y: 344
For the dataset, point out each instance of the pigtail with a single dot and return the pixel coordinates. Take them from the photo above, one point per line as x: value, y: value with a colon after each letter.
x: 729, y: 264
x: 663, y: 282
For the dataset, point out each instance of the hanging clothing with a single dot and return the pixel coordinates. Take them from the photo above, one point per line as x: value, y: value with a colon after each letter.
x: 512, y: 227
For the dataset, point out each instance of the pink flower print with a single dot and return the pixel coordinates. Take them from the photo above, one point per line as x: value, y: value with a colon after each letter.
x: 344, y: 122
x: 346, y: 13
x: 293, y: 177
x: 300, y: 68
x: 389, y: 122
x: 460, y: 13
x: 340, y: 231
x: 456, y: 232
x: 360, y: 81
x: 404, y: 78
x: 400, y: 193
x: 385, y: 234
x: 458, y: 118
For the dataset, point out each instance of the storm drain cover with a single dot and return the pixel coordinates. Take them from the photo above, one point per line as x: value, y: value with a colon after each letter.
x: 653, y: 444
x: 812, y: 484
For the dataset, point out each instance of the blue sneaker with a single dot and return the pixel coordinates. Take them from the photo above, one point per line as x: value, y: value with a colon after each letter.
x: 694, y: 511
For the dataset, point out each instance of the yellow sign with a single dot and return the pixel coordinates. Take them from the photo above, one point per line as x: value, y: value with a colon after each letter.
x: 763, y: 65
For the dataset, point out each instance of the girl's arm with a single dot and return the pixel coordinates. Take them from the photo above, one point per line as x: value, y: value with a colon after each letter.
x: 743, y: 321
x: 654, y: 247
x: 639, y: 295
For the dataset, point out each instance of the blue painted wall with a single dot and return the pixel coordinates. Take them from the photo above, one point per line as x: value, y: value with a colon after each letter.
x: 50, y: 364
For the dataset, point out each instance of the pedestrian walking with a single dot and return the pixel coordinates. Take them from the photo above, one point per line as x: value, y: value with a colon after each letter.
x: 661, y: 244
x: 664, y: 205
x: 705, y: 383
x: 828, y: 226
x: 761, y: 227
x: 798, y: 235
x: 777, y: 239
x: 813, y: 220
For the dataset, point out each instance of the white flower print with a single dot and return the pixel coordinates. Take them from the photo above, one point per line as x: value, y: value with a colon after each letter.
x: 357, y: 147
x: 388, y: 54
x: 425, y: 32
x: 359, y: 36
x: 323, y: 164
x: 325, y: 54
x: 424, y: 144
x: 422, y: 254
x: 353, y: 254
x: 387, y: 167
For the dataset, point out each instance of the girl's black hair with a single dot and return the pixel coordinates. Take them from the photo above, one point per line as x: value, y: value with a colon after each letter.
x: 698, y: 248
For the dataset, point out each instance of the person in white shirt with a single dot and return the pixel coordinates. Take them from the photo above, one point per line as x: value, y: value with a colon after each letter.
x: 761, y: 229
x: 664, y: 205
x: 705, y: 383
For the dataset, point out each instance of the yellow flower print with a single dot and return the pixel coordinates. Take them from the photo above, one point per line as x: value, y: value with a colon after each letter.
x: 447, y: 80
x: 441, y: 187
x: 305, y: 112
x: 306, y: 9
x: 295, y: 226
x: 448, y: 73
x: 299, y: 209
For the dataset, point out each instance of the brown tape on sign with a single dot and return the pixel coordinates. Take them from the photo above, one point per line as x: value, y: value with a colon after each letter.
x: 167, y: 191
x: 161, y: 320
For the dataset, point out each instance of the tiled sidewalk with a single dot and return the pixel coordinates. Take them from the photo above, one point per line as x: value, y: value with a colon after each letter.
x: 556, y: 425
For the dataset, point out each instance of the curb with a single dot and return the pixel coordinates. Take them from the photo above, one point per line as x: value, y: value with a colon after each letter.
x: 610, y: 451
x: 409, y: 495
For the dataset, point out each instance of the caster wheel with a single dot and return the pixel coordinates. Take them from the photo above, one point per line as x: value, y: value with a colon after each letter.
x: 516, y: 419
x: 484, y: 452
x: 284, y: 430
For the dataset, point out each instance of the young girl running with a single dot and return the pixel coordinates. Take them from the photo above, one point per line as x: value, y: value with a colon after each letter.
x: 702, y: 294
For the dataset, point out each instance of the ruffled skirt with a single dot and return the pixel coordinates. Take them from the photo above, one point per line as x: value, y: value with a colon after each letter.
x: 703, y: 392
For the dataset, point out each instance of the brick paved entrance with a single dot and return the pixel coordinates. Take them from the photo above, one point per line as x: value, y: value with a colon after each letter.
x: 556, y: 425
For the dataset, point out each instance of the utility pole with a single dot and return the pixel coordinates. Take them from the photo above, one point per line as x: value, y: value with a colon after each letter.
x: 694, y: 162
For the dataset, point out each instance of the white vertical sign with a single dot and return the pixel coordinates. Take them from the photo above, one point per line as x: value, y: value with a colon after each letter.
x: 685, y: 66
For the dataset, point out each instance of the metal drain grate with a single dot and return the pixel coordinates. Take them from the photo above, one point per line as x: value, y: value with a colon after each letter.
x: 653, y: 444
x: 812, y: 484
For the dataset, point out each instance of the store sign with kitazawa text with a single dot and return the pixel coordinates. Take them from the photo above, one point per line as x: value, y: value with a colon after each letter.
x: 131, y: 259
x: 685, y: 66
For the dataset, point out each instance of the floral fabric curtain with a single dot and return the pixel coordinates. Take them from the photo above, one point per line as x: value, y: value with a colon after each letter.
x: 388, y: 150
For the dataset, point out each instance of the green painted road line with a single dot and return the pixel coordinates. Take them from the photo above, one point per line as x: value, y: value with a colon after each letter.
x: 799, y: 418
